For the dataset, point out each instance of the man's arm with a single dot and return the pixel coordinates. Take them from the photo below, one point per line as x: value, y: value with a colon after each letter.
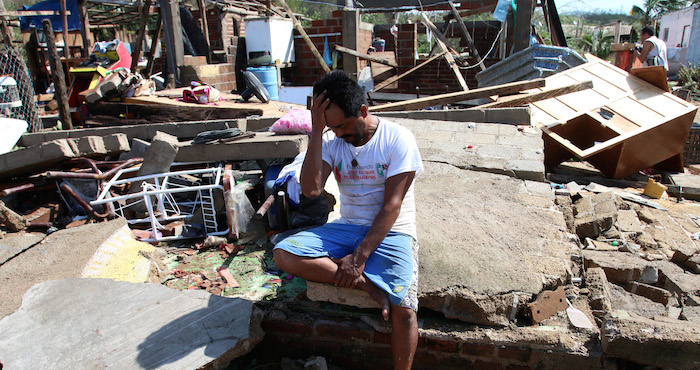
x: 314, y: 171
x: 351, y: 266
x: 647, y: 47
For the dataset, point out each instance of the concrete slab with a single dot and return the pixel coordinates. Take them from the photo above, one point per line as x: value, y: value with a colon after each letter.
x: 101, y: 323
x: 60, y: 255
x: 183, y: 130
x: 484, y: 251
x: 42, y: 156
x: 264, y: 145
x: 486, y: 147
x: 674, y: 345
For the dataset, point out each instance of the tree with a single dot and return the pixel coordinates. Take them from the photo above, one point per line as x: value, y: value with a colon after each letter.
x: 653, y: 9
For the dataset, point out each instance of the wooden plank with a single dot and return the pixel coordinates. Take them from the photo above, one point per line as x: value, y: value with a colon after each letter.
x: 84, y: 28
x: 515, y: 101
x: 306, y: 38
x: 369, y: 57
x: 458, y: 96
x: 381, y: 72
x: 655, y: 75
x: 5, y: 33
x: 635, y: 111
x: 139, y: 39
x: 172, y: 24
x: 447, y: 55
x: 443, y: 41
x: 59, y: 79
x: 391, y: 80
x: 205, y: 25
x: 467, y: 35
x: 350, y: 35
x: 64, y: 18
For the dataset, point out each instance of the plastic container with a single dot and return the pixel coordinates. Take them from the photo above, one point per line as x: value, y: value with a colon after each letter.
x: 268, y: 77
x: 501, y: 10
x: 654, y: 189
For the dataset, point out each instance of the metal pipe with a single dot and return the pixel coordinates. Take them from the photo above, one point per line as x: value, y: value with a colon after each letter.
x: 265, y: 206
x: 66, y: 188
x: 27, y: 187
x: 94, y: 176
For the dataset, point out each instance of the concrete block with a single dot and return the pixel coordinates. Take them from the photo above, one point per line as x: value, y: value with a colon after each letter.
x: 655, y: 294
x: 691, y: 313
x: 622, y: 300
x: 654, y: 343
x: 620, y: 268
x: 595, y: 214
x: 97, y: 323
x: 693, y: 263
x: 116, y: 143
x: 678, y: 281
x: 264, y: 145
x: 330, y: 293
x: 36, y: 158
x: 160, y: 154
x: 527, y: 169
x: 627, y: 221
x: 597, y: 283
x: 90, y: 145
x: 138, y: 149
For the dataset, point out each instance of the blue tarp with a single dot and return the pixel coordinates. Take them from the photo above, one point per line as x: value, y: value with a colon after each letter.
x: 56, y: 21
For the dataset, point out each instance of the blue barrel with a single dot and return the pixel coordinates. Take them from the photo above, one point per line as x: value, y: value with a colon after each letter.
x: 268, y: 77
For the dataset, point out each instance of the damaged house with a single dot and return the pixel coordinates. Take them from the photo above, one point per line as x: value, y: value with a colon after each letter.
x: 143, y: 189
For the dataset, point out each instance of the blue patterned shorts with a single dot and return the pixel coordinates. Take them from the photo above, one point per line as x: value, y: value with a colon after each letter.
x: 393, y: 266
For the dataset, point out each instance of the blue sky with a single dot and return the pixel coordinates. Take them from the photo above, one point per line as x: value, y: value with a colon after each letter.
x: 615, y: 6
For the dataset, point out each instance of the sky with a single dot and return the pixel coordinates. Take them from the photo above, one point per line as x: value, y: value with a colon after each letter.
x: 613, y: 6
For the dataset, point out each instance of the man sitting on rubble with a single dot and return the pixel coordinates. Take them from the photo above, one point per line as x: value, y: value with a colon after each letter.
x: 373, y: 246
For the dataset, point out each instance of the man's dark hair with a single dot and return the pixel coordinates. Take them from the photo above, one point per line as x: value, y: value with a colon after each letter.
x: 649, y: 31
x: 343, y: 91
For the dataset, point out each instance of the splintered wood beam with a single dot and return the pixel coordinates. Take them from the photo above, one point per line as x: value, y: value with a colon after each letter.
x: 447, y: 55
x: 141, y: 35
x: 205, y: 25
x: 371, y: 58
x: 458, y: 96
x: 514, y: 101
x: 59, y: 79
x: 306, y: 38
x: 393, y: 79
x: 467, y: 35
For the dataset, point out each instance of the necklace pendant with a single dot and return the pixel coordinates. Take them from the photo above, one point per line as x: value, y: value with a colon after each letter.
x: 354, y: 162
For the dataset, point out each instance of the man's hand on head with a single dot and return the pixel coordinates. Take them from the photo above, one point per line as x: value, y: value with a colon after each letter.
x: 350, y: 269
x: 318, y: 108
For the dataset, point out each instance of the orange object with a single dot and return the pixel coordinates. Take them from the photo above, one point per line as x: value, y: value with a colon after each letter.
x: 226, y: 274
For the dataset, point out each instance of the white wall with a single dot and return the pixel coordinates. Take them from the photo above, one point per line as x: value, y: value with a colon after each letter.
x: 675, y: 22
x: 693, y: 55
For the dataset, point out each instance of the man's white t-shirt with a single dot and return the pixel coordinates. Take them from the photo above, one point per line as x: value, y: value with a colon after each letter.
x: 658, y: 52
x: 392, y: 150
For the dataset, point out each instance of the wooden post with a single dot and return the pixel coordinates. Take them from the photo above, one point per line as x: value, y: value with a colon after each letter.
x: 64, y: 18
x: 173, y: 34
x: 467, y: 36
x: 205, y: 26
x: 154, y: 44
x: 306, y: 38
x: 142, y: 34
x: 448, y: 55
x: 555, y: 29
x: 31, y: 48
x: 502, y: 43
x: 59, y: 80
x: 523, y: 25
x: 351, y: 27
x: 618, y: 31
x: 84, y: 28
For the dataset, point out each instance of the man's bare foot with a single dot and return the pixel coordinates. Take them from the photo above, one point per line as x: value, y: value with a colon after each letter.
x: 377, y: 294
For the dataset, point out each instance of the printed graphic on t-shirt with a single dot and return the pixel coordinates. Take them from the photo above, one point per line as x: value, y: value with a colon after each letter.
x: 361, y: 174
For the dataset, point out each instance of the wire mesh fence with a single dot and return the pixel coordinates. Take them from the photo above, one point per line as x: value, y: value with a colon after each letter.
x: 12, y: 64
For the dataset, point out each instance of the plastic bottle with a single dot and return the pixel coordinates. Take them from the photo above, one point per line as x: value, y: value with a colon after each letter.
x: 501, y: 10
